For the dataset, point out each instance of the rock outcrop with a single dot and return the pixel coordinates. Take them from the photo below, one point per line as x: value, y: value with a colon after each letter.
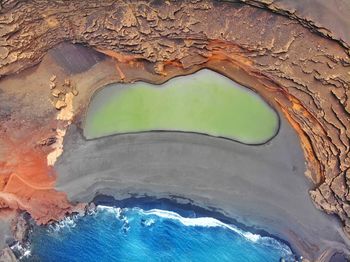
x: 302, y: 73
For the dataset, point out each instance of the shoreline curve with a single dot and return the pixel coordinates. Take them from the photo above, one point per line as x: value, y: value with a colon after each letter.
x: 157, y: 165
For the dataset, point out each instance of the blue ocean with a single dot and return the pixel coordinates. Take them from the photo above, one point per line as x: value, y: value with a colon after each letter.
x: 133, y: 234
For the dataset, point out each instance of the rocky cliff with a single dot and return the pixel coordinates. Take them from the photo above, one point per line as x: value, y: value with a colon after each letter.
x: 297, y: 66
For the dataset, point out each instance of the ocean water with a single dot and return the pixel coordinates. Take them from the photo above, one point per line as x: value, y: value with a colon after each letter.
x: 133, y: 234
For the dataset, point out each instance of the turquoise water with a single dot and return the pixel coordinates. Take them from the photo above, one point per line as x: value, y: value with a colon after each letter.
x: 133, y: 234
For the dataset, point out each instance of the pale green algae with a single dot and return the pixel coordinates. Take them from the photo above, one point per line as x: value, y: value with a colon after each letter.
x: 205, y: 102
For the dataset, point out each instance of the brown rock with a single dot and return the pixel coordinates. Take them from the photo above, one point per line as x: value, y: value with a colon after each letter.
x: 52, y: 78
x: 56, y: 92
x: 302, y: 73
x: 52, y: 85
x: 60, y: 104
x: 75, y: 92
x: 67, y: 82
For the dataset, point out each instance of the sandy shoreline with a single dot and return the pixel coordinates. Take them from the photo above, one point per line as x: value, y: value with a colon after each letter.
x: 264, y: 187
x: 183, y: 207
x: 270, y: 195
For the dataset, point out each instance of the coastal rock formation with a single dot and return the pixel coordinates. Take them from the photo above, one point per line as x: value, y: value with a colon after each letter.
x: 318, y: 15
x: 302, y: 73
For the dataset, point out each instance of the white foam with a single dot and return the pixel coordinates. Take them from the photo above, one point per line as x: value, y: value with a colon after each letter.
x: 23, y: 250
x: 68, y: 222
x: 120, y: 213
x: 202, y: 222
x: 27, y: 253
x: 149, y: 222
x: 117, y: 211
x: 212, y: 222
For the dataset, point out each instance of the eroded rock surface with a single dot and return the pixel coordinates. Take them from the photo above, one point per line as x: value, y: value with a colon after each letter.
x: 328, y: 18
x: 304, y: 74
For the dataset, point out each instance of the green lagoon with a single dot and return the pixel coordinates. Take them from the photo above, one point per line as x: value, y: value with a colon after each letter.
x: 205, y: 102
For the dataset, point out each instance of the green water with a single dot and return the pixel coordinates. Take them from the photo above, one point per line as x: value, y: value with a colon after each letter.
x: 205, y: 102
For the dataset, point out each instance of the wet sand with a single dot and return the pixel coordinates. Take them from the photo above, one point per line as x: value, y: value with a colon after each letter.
x: 260, y: 186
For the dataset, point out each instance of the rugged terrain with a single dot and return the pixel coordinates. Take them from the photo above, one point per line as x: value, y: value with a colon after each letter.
x: 300, y: 66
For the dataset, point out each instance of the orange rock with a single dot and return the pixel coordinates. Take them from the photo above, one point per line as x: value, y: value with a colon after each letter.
x: 27, y: 182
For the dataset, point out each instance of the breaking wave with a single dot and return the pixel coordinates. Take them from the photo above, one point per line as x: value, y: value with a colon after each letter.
x: 153, y: 232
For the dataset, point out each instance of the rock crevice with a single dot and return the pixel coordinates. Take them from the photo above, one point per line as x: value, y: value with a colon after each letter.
x: 304, y: 74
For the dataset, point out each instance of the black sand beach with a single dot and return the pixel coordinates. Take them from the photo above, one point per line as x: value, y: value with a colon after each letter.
x: 5, y: 232
x: 262, y: 186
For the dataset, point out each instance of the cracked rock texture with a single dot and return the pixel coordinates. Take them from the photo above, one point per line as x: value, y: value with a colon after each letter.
x: 303, y: 73
x: 329, y: 18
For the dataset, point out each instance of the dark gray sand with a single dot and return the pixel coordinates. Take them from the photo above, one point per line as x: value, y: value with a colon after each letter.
x: 262, y: 186
x: 5, y: 232
x: 76, y: 58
